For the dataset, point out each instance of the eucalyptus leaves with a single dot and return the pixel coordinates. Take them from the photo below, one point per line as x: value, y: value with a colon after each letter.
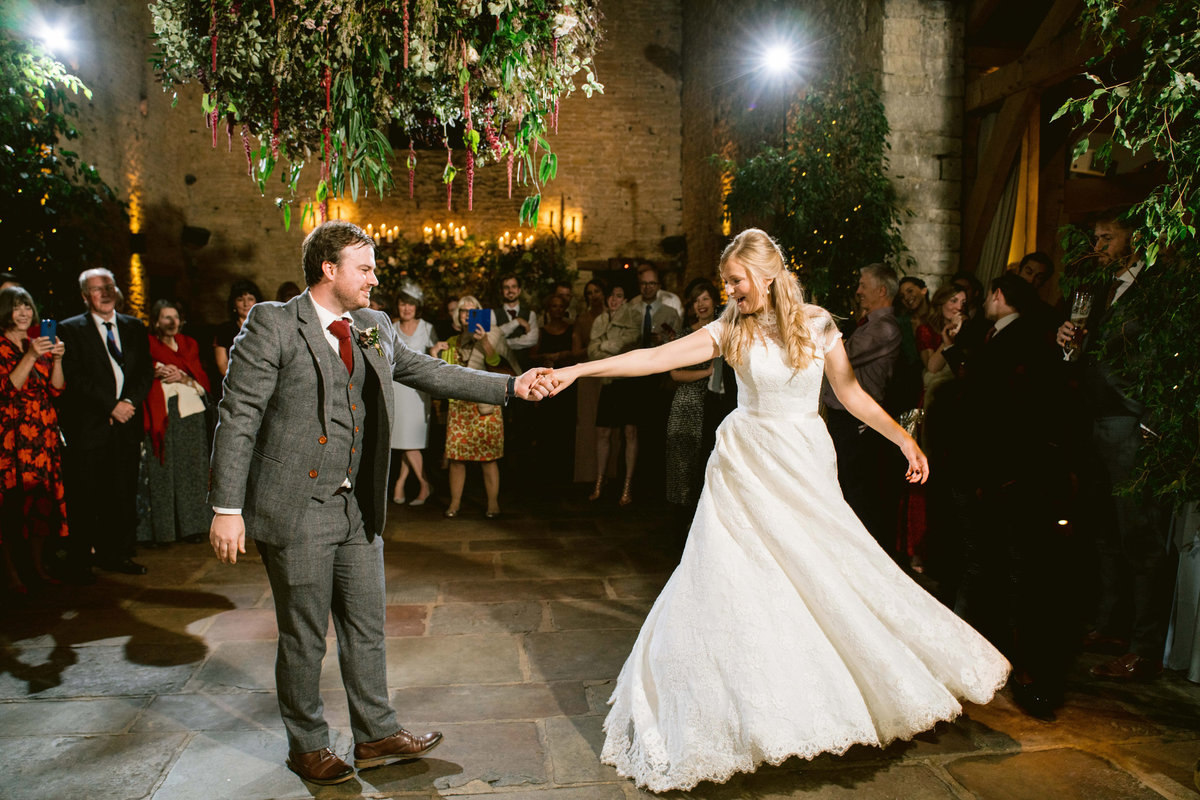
x: 326, y: 79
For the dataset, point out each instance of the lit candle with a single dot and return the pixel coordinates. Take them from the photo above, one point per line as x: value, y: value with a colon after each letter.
x: 428, y: 234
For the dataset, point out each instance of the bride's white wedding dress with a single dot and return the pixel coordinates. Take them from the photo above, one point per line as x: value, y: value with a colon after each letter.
x: 785, y: 630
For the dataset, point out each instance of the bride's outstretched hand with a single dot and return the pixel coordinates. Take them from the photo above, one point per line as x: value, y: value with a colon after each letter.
x: 918, y: 464
x: 560, y: 379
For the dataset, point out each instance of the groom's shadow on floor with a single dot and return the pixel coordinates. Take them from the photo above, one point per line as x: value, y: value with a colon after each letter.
x: 408, y: 776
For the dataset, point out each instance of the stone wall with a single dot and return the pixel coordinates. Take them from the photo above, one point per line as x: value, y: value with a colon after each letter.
x: 922, y: 83
x: 619, y: 161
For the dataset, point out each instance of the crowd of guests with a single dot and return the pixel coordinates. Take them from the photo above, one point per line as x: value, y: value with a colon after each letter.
x: 1021, y: 529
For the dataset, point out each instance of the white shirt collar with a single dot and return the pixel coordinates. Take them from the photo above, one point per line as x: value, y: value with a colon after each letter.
x: 99, y: 320
x: 1005, y: 321
x: 325, y: 316
x: 1130, y: 274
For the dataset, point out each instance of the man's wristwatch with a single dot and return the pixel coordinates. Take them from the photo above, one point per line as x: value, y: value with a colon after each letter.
x: 510, y: 390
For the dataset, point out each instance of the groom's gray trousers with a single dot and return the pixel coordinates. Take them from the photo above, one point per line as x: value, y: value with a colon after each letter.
x: 330, y: 566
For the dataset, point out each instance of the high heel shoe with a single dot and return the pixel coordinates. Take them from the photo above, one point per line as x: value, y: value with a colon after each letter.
x: 448, y: 514
x: 626, y: 494
x: 599, y: 490
x: 420, y: 499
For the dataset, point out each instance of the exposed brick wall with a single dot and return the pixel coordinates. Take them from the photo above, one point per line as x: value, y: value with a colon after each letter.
x: 922, y: 84
x: 619, y: 160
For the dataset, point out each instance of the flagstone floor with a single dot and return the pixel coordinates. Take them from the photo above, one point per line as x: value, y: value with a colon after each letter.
x: 506, y: 635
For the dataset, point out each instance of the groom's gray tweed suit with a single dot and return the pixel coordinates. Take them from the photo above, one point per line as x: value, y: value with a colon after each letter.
x: 293, y: 428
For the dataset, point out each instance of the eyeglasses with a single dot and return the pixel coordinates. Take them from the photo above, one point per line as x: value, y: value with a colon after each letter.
x: 108, y: 287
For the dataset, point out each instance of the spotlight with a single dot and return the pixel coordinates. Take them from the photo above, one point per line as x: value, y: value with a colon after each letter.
x: 53, y: 37
x: 778, y: 58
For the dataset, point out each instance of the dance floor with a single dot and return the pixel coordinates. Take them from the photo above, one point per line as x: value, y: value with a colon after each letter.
x: 505, y: 634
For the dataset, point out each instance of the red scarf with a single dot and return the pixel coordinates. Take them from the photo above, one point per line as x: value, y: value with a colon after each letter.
x: 187, y: 358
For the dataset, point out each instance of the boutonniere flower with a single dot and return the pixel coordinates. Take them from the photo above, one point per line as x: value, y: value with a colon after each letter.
x: 369, y: 338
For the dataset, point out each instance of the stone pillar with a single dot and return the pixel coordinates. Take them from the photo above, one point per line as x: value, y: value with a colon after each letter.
x: 922, y: 83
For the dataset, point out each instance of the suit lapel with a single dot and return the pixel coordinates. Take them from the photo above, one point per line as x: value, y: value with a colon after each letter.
x: 376, y: 359
x: 322, y: 353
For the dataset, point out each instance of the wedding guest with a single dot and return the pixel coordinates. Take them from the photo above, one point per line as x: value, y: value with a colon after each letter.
x: 177, y: 456
x: 685, y: 458
x: 554, y: 425
x: 31, y: 487
x: 410, y: 430
x: 475, y: 431
x: 243, y: 294
x: 612, y: 409
x: 286, y: 291
x: 594, y: 294
x: 108, y: 371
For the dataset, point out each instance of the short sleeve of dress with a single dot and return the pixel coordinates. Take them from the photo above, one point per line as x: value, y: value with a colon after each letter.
x: 825, y: 333
x: 716, y: 329
x: 927, y: 338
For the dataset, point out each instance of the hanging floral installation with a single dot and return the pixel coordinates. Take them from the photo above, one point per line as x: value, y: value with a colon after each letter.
x: 328, y: 79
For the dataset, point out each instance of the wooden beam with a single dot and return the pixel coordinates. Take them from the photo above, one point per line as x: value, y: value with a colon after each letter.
x: 1037, y: 69
x: 994, y: 168
x: 1060, y: 15
x: 979, y: 13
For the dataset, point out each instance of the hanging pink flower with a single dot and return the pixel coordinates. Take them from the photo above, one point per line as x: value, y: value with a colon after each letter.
x: 510, y: 166
x: 246, y: 147
x: 470, y: 179
x: 412, y: 169
x: 212, y: 123
x: 275, y: 126
x: 404, y: 6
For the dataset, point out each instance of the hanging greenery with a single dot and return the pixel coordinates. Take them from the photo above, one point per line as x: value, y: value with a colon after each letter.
x: 1148, y: 100
x: 445, y: 270
x: 59, y: 216
x: 825, y: 197
x: 326, y: 79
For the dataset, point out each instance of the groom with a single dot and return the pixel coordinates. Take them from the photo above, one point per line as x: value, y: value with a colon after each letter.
x: 300, y: 465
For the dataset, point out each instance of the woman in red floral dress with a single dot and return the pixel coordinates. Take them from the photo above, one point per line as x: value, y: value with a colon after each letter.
x: 31, y: 488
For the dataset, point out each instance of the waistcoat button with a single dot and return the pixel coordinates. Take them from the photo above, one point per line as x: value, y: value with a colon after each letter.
x: 312, y: 473
x: 322, y: 440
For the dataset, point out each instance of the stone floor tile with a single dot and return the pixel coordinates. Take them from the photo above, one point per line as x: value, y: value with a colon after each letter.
x: 482, y: 756
x: 1153, y: 761
x: 95, y: 671
x: 640, y: 586
x: 41, y: 767
x: 456, y: 618
x: 495, y: 545
x: 67, y: 717
x: 243, y: 624
x: 247, y: 711
x: 245, y: 765
x: 218, y: 598
x: 410, y: 592
x: 473, y: 703
x: 566, y: 615
x: 1064, y: 774
x: 882, y: 782
x: 598, y: 693
x: 578, y: 655
x: 448, y: 660
x: 525, y: 564
x: 501, y: 590
x: 574, y: 744
x: 436, y: 565
x: 237, y: 666
x: 405, y: 620
x: 595, y: 792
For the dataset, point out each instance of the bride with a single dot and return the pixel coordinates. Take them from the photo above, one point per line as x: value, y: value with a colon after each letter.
x: 785, y: 630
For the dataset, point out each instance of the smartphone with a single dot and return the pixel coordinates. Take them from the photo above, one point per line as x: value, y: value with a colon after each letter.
x: 50, y: 328
x: 479, y: 317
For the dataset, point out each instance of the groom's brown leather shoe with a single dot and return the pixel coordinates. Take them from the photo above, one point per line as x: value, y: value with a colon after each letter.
x: 321, y: 767
x: 400, y: 746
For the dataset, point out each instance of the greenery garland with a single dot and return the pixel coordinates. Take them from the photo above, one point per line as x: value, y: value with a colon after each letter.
x: 1147, y: 91
x: 327, y: 78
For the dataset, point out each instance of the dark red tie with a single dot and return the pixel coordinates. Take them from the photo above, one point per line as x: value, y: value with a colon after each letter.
x: 340, y: 328
x: 988, y: 336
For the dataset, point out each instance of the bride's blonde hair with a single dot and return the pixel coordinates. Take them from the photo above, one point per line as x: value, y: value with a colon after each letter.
x: 763, y: 261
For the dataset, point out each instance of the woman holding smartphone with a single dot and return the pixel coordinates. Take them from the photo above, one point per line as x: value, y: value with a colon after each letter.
x: 31, y: 487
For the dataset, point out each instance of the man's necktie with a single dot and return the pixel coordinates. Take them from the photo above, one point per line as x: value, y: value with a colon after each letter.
x: 1112, y: 294
x: 988, y: 336
x: 340, y: 329
x: 512, y: 314
x: 647, y: 326
x: 110, y: 340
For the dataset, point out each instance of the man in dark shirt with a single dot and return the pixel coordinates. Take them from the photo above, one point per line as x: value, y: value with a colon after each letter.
x: 873, y: 348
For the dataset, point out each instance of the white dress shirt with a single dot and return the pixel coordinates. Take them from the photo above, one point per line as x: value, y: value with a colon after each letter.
x: 118, y: 373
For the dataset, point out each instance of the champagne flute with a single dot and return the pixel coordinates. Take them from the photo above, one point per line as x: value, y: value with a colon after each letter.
x: 1081, y: 309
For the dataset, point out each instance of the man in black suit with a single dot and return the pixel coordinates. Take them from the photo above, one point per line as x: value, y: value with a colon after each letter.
x: 1016, y: 554
x: 108, y: 373
x: 1131, y: 530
